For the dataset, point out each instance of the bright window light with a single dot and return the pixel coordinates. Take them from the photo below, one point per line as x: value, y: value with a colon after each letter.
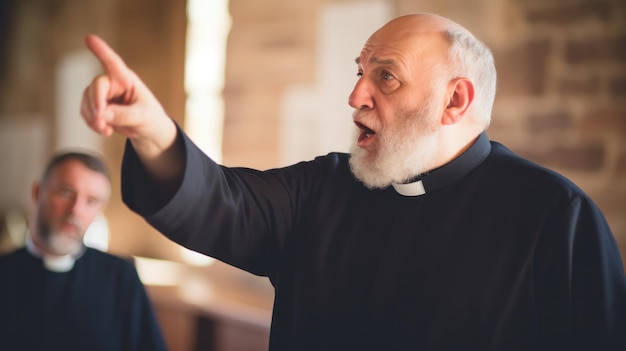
x: 207, y: 32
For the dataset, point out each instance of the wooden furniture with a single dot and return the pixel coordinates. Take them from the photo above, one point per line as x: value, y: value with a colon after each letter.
x: 217, y: 307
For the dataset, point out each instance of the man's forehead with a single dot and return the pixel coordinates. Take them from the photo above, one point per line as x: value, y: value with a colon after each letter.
x: 75, y: 174
x: 392, y: 49
x: 402, y: 53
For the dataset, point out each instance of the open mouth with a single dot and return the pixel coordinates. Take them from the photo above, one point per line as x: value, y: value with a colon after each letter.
x: 366, y: 133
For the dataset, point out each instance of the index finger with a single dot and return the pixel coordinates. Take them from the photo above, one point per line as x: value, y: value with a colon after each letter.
x: 110, y: 60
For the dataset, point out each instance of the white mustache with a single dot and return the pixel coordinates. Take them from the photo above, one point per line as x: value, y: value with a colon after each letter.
x: 72, y: 221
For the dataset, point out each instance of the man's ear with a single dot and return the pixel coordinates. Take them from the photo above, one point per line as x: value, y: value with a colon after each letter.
x: 461, y: 96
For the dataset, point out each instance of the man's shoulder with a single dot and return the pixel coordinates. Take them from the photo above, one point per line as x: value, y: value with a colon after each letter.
x: 12, y: 256
x: 109, y: 259
x: 326, y: 171
x: 514, y: 170
x: 332, y: 163
x: 331, y: 159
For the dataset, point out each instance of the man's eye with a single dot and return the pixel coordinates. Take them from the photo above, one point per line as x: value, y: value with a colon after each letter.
x: 387, y: 76
x: 93, y: 201
x: 65, y: 192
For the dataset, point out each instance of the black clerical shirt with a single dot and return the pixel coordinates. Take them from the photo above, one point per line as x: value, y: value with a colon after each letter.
x: 98, y: 305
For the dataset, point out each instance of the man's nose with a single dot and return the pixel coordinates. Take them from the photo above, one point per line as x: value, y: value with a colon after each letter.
x: 77, y: 206
x: 361, y: 97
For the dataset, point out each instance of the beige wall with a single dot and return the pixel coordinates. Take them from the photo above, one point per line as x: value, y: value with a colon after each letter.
x: 561, y: 99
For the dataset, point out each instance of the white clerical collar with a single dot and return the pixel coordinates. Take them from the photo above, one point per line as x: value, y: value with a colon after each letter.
x: 53, y: 263
x: 449, y: 173
x: 410, y: 189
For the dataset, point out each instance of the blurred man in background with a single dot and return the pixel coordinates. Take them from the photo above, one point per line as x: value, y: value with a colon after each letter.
x: 58, y: 294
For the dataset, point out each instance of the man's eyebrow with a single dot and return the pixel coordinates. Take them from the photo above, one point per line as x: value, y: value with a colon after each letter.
x: 377, y: 60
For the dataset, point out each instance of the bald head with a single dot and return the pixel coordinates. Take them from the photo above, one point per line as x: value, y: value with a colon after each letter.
x: 446, y: 47
x: 419, y: 23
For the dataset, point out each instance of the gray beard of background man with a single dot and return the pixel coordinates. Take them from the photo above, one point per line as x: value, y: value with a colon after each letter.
x: 58, y: 242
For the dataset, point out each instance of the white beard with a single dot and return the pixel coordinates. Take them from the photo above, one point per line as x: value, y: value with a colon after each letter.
x: 63, y: 244
x: 58, y: 242
x: 406, y: 150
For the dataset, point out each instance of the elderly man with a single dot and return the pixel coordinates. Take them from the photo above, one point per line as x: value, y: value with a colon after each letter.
x: 427, y: 236
x: 57, y: 294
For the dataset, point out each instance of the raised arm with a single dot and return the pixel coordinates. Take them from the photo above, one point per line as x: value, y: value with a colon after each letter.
x: 119, y: 101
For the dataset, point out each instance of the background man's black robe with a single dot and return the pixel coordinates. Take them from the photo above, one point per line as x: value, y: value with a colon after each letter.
x: 99, y: 305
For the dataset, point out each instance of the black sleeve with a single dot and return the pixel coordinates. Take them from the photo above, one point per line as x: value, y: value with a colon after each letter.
x: 139, y: 191
x: 240, y: 216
